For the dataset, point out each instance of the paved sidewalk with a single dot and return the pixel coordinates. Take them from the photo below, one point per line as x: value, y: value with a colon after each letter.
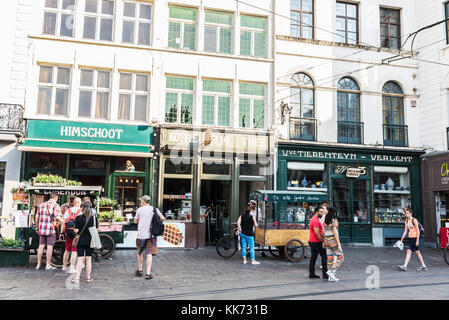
x: 201, y: 274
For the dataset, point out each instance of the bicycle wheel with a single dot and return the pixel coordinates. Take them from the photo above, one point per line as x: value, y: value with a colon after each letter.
x: 58, y: 254
x: 107, y: 246
x: 274, y: 251
x: 294, y: 250
x: 227, y: 247
x: 446, y: 254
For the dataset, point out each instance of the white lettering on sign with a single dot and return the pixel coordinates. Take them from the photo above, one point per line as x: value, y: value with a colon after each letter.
x: 67, y: 131
x: 344, y: 156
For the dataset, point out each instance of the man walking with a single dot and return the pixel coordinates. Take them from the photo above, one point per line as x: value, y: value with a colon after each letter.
x: 145, y: 240
x: 46, y: 216
x: 316, y: 238
x: 68, y: 226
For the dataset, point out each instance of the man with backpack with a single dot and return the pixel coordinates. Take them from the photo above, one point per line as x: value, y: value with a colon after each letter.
x: 146, y: 239
x: 69, y: 227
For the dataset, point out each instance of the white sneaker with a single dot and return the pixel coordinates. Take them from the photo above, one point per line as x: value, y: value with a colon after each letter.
x: 255, y: 262
x: 72, y: 270
x: 245, y: 262
x: 332, y: 277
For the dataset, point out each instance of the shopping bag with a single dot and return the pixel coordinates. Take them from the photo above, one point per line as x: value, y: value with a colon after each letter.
x: 399, y: 244
x: 95, y: 242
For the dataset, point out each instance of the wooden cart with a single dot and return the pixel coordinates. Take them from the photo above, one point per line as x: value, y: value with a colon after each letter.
x: 283, y: 220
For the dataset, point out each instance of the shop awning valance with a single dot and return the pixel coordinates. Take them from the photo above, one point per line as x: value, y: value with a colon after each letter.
x: 287, y: 196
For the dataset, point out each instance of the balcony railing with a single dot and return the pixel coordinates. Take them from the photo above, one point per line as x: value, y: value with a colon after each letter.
x: 11, y: 118
x: 350, y: 132
x: 303, y: 129
x: 395, y: 135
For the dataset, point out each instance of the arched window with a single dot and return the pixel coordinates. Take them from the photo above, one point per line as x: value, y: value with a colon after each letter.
x: 302, y: 101
x: 350, y: 129
x: 395, y: 132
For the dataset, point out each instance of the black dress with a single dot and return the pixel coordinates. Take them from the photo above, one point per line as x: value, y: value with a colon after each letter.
x: 83, y: 247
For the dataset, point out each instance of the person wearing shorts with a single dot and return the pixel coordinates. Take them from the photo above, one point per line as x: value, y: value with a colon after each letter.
x: 70, y: 213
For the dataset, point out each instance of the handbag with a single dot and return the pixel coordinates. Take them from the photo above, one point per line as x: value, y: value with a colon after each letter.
x: 157, y: 227
x: 77, y: 237
x: 95, y: 242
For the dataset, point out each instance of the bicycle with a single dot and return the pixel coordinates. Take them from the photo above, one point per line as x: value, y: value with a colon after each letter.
x: 107, y: 247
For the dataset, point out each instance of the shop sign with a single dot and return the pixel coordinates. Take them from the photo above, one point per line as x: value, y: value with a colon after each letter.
x: 66, y: 192
x: 444, y: 170
x: 353, y: 172
x: 350, y: 172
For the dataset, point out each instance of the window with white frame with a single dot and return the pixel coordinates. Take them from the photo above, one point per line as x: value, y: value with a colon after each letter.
x: 98, y: 19
x: 59, y: 17
x: 53, y: 91
x: 179, y: 100
x: 218, y: 32
x: 133, y: 96
x: 216, y: 109
x: 94, y: 94
x: 136, y: 23
x: 182, y: 28
x: 252, y: 105
x: 253, y: 36
x: 301, y: 18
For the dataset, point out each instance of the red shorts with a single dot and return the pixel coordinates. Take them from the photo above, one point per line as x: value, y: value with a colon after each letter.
x: 68, y: 245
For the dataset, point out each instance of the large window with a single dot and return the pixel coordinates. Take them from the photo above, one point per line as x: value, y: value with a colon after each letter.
x: 133, y: 99
x: 54, y: 91
x: 182, y: 28
x: 253, y: 36
x: 347, y: 23
x: 301, y: 18
x: 390, y: 28
x: 252, y: 105
x: 218, y: 32
x: 59, y: 17
x: 350, y: 129
x: 136, y: 23
x: 94, y: 94
x: 98, y: 19
x: 395, y: 132
x: 216, y: 103
x: 302, y: 101
x: 179, y: 100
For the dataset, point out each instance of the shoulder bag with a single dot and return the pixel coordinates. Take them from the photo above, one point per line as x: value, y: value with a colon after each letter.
x: 157, y: 227
x: 77, y: 237
x: 95, y: 242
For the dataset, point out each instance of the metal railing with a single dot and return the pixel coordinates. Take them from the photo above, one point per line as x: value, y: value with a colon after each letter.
x: 350, y: 132
x: 11, y: 118
x: 395, y: 135
x: 303, y: 129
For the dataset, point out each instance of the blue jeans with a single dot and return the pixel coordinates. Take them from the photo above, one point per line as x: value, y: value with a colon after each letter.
x: 250, y: 240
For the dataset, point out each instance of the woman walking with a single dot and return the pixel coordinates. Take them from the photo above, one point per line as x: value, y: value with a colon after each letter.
x: 245, y: 225
x: 335, y: 256
x: 82, y: 224
x: 412, y: 227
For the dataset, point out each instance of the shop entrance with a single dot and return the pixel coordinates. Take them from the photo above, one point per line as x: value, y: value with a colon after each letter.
x: 351, y: 197
x: 216, y: 194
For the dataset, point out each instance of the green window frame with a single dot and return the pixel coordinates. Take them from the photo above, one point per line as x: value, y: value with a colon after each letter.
x: 253, y: 36
x: 182, y: 28
x: 252, y: 105
x: 218, y: 31
x: 216, y: 109
x: 179, y: 100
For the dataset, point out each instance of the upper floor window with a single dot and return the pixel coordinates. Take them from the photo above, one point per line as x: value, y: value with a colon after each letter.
x: 179, y: 100
x: 216, y: 103
x: 133, y: 96
x: 390, y: 28
x: 136, y: 23
x: 182, y: 28
x: 350, y: 128
x: 301, y: 18
x: 98, y: 19
x: 302, y: 101
x: 252, y: 105
x: 218, y: 32
x: 94, y: 94
x: 446, y: 16
x: 253, y: 36
x: 347, y: 23
x: 59, y: 17
x: 53, y: 91
x: 395, y: 130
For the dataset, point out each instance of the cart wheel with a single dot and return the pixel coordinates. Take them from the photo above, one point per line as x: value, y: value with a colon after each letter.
x: 294, y: 250
x: 58, y: 254
x: 308, y: 253
x: 274, y: 251
x: 227, y: 247
x: 107, y: 246
x: 446, y: 254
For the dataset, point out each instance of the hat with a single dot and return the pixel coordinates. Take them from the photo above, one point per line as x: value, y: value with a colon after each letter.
x: 146, y: 199
x: 252, y: 201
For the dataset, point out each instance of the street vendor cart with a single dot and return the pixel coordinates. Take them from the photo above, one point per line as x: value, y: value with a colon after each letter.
x: 284, y: 220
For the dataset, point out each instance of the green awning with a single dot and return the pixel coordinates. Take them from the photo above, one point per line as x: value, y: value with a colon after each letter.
x: 287, y: 196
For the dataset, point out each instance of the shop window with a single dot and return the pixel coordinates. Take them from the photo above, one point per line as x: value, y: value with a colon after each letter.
x: 46, y: 161
x: 88, y: 162
x: 257, y: 169
x: 182, y: 28
x: 128, y: 190
x: 391, y: 194
x: 441, y: 205
x: 177, y: 198
x: 129, y: 164
x: 218, y: 32
x: 178, y: 166
x: 305, y: 175
x: 216, y: 168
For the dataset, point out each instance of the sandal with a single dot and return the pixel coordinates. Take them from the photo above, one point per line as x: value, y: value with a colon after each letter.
x: 148, y: 276
x: 50, y: 268
x: 75, y: 280
x: 89, y: 280
x: 139, y: 273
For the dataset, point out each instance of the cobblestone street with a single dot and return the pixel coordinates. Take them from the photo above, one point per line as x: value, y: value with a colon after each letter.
x: 201, y: 274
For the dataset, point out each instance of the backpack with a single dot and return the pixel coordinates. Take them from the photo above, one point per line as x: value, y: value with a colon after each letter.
x: 157, y: 227
x: 421, y: 228
x: 70, y: 225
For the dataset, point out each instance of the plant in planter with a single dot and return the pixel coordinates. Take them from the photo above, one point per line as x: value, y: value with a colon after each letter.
x: 48, y: 180
x: 12, y: 253
x: 106, y: 216
x: 74, y: 183
x: 119, y: 219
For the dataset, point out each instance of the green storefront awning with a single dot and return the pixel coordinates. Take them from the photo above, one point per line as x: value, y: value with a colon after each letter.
x: 287, y: 196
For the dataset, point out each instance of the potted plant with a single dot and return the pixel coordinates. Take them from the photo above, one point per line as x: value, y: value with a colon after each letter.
x: 18, y: 194
x: 106, y: 216
x: 12, y: 253
x: 49, y: 180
